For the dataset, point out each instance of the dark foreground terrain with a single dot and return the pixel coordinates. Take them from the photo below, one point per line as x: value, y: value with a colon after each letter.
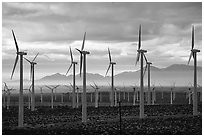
x: 159, y: 120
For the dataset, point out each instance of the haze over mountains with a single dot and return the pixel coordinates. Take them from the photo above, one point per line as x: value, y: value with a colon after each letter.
x: 178, y: 73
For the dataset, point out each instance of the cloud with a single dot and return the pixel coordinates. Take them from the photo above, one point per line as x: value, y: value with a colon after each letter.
x: 51, y: 28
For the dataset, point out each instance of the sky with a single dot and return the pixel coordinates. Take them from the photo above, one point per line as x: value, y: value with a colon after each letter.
x: 51, y: 28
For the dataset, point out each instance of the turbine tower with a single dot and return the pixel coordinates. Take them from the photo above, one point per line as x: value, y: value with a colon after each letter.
x: 140, y: 54
x: 29, y: 96
x: 111, y: 64
x: 52, y: 90
x: 153, y: 94
x: 41, y: 95
x: 96, y: 88
x: 21, y: 107
x: 194, y: 54
x: 84, y: 101
x: 32, y: 64
x: 74, y: 85
x: 4, y: 96
x: 147, y: 67
x: 8, y: 90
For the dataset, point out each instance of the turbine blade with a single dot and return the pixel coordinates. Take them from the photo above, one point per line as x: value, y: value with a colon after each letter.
x: 108, y: 69
x: 81, y: 58
x: 145, y: 58
x: 31, y: 72
x: 145, y: 70
x: 16, y: 61
x: 92, y: 86
x: 71, y: 85
x: 139, y: 44
x: 35, y: 56
x: 95, y: 85
x: 17, y: 49
x: 78, y: 50
x: 109, y: 54
x: 5, y: 85
x: 192, y: 36
x: 48, y: 87
x: 83, y: 41
x: 27, y: 60
x: 137, y: 58
x: 56, y: 86
x: 190, y: 57
x: 71, y: 54
x: 68, y: 69
x: 30, y: 88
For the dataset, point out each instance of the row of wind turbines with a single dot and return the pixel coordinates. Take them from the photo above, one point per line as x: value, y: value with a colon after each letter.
x: 140, y: 57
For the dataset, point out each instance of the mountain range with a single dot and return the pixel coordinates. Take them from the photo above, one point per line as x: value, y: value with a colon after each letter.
x: 181, y: 74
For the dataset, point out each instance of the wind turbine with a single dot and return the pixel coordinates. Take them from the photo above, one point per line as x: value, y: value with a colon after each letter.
x: 140, y: 54
x: 149, y: 90
x: 74, y: 85
x: 115, y: 97
x: 83, y: 57
x: 200, y: 92
x: 41, y: 95
x: 4, y: 96
x: 123, y: 91
x: 194, y: 54
x: 32, y: 64
x: 111, y: 64
x: 21, y: 54
x: 119, y: 92
x: 96, y: 88
x: 77, y: 96
x: 174, y: 93
x: 8, y: 94
x: 68, y: 93
x: 52, y: 90
x: 162, y: 93
x: 29, y: 96
x: 153, y: 94
x: 189, y: 94
x: 134, y: 95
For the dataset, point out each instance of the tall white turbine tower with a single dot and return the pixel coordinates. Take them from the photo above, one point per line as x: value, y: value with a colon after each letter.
x: 111, y: 64
x: 32, y: 64
x: 147, y: 67
x: 41, y: 95
x: 194, y: 54
x: 96, y: 88
x: 74, y: 85
x: 140, y: 56
x: 83, y: 54
x: 21, y: 107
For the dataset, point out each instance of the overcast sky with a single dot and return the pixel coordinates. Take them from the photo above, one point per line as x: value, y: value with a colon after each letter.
x: 50, y: 28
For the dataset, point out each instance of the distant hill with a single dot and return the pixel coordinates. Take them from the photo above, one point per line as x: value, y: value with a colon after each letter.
x: 181, y: 67
x: 179, y: 73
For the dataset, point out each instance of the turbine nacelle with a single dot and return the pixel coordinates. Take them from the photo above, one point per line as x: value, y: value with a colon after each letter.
x: 74, y: 62
x: 21, y: 53
x: 141, y: 51
x: 34, y: 63
x: 85, y: 52
x: 112, y: 63
x: 149, y: 63
x: 195, y: 50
